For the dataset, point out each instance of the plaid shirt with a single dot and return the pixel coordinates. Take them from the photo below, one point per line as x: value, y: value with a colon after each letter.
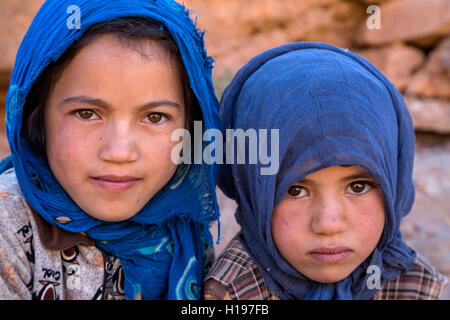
x: 235, y: 273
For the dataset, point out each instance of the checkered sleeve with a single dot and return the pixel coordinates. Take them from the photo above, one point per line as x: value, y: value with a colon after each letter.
x: 235, y: 273
x: 421, y: 282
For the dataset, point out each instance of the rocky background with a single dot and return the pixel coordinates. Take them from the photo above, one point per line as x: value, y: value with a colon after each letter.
x: 412, y: 48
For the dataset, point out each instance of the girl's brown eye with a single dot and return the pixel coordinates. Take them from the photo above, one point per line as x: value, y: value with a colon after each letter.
x: 85, y: 114
x: 297, y: 191
x: 359, y: 187
x: 155, y: 117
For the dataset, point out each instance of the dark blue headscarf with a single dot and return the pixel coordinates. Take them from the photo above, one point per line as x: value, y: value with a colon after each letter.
x: 162, y: 247
x: 332, y: 108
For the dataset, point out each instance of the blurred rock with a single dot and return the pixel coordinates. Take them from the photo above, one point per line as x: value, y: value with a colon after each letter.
x: 433, y: 80
x: 333, y: 24
x: 237, y: 30
x: 4, y: 148
x: 429, y: 114
x: 418, y: 21
x: 234, y: 60
x: 426, y: 228
x: 397, y: 61
x: 15, y: 17
x: 370, y: 2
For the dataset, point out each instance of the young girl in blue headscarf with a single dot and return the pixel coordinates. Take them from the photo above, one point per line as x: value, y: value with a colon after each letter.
x: 93, y: 204
x: 326, y: 225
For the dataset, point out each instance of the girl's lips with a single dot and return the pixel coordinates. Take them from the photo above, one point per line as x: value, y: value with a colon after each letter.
x: 115, y: 183
x: 330, y: 255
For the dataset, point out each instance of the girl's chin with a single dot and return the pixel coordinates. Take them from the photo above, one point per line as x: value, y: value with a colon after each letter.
x: 115, y: 215
x: 326, y: 276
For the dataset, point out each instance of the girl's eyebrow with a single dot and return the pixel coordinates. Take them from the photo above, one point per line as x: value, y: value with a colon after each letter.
x: 101, y: 103
x: 363, y: 174
x: 85, y: 100
x: 360, y: 174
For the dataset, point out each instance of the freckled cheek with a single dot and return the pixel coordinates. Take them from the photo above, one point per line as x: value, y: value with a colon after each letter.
x: 371, y: 223
x: 159, y: 148
x: 287, y: 226
x: 68, y: 147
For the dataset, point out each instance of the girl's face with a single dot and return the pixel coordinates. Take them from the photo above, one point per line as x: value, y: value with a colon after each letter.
x: 329, y: 223
x: 108, y: 122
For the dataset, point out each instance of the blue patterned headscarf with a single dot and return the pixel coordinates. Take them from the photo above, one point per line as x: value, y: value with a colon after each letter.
x: 332, y: 108
x: 162, y: 247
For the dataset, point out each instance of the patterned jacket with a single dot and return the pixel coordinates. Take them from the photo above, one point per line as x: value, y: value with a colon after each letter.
x: 234, y: 275
x: 43, y: 262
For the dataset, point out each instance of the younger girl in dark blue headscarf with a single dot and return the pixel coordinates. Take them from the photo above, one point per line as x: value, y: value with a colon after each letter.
x: 95, y: 205
x: 326, y: 225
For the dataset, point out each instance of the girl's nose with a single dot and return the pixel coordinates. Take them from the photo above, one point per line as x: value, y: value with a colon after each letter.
x: 329, y: 216
x: 119, y: 144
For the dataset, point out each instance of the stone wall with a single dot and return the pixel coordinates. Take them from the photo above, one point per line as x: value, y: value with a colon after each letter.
x: 412, y: 48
